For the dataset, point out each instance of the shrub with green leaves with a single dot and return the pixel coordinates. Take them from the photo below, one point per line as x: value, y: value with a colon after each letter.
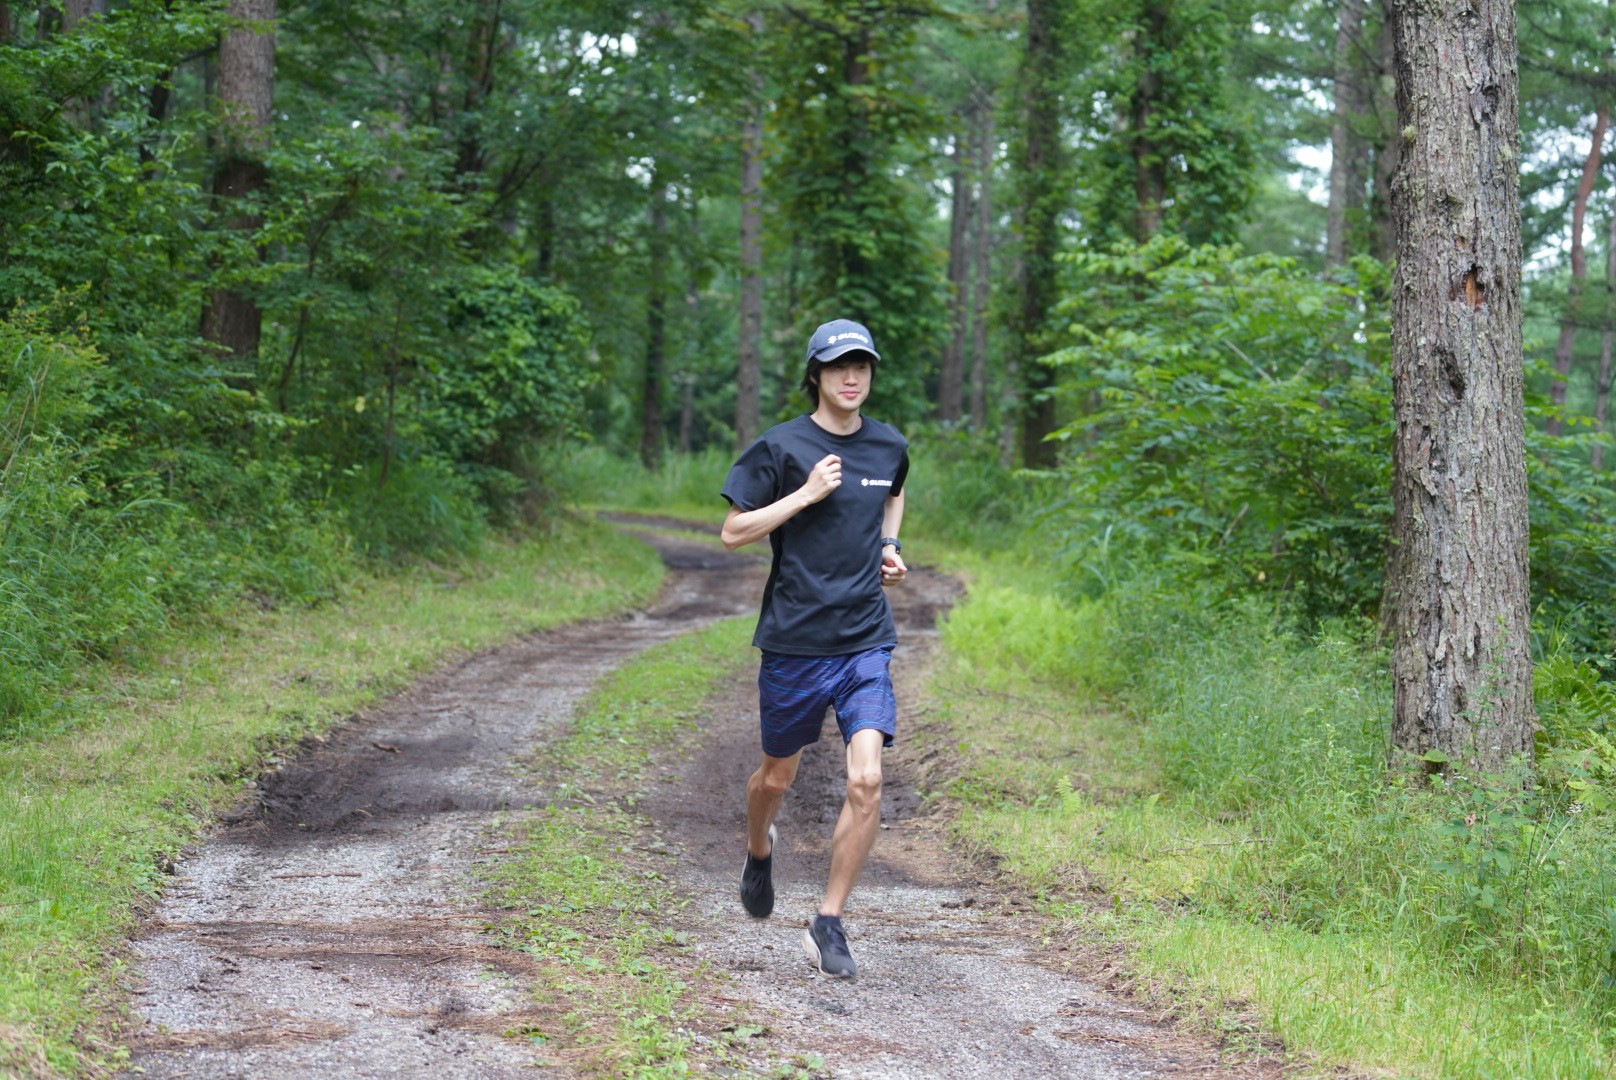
x: 1234, y: 424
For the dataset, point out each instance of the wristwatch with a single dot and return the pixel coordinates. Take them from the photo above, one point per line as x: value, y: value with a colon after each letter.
x: 893, y: 540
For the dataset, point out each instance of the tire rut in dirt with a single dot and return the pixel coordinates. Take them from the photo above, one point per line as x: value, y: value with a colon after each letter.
x: 952, y: 981
x: 330, y: 930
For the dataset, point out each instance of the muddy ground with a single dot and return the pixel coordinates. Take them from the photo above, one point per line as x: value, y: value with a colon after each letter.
x: 330, y: 928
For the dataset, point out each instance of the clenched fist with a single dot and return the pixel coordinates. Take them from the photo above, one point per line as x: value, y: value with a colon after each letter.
x: 825, y: 478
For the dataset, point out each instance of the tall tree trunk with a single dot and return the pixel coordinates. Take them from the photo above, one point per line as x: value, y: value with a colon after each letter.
x: 692, y: 354
x: 1602, y: 387
x: 951, y: 373
x: 6, y: 27
x: 984, y: 263
x: 482, y: 44
x: 246, y: 86
x: 84, y: 110
x: 749, y: 380
x: 656, y: 337
x: 1389, y: 145
x: 1149, y: 165
x: 1565, y: 347
x: 1457, y: 587
x: 76, y: 11
x: 1346, y: 144
x: 1040, y: 200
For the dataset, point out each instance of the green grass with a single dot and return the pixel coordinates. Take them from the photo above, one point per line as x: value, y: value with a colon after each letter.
x: 90, y: 816
x: 584, y: 887
x: 687, y: 485
x: 1209, y: 788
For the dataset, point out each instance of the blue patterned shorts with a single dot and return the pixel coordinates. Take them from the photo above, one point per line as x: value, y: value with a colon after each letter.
x: 795, y: 691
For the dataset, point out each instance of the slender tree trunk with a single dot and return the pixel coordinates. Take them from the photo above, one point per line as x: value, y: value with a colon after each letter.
x: 157, y: 99
x: 748, y: 382
x: 246, y: 85
x: 1149, y: 166
x: 1039, y: 213
x: 1602, y: 387
x: 76, y: 11
x: 86, y: 109
x: 1388, y: 149
x: 951, y: 374
x: 6, y: 28
x: 482, y: 44
x: 1346, y: 145
x: 1457, y: 587
x: 656, y: 343
x: 1565, y: 347
x: 691, y: 354
x: 984, y: 263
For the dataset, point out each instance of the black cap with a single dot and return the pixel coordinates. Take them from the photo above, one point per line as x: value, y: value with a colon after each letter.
x: 838, y: 337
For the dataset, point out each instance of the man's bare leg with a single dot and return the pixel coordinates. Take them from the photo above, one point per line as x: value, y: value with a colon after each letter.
x: 764, y: 793
x: 860, y: 819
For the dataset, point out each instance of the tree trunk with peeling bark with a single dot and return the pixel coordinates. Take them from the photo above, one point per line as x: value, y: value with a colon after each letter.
x: 1457, y: 585
x: 1565, y: 347
x: 245, y: 90
x: 748, y: 380
x: 1346, y: 144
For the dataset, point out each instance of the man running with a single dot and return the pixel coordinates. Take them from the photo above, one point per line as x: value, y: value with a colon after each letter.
x: 827, y: 490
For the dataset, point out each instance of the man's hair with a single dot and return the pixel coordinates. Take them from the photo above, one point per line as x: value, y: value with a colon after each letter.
x: 811, y: 373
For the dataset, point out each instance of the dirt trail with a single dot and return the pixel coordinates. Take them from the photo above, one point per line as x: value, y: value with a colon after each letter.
x: 330, y: 930
x: 952, y: 980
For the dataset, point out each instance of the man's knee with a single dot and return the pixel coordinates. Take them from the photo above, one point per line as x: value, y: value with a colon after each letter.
x: 864, y: 785
x: 774, y: 781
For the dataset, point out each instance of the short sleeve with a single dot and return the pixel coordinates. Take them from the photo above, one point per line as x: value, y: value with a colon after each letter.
x: 902, y: 474
x: 754, y: 480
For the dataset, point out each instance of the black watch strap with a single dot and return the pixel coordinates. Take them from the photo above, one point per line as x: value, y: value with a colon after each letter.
x: 893, y: 540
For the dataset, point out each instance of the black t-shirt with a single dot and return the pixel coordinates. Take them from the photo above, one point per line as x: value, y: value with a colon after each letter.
x: 824, y: 593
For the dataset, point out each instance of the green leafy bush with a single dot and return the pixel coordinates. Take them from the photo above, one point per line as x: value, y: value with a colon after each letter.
x: 1235, y: 425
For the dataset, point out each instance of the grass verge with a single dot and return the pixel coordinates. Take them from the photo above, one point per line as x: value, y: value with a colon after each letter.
x: 583, y: 886
x: 1217, y: 802
x: 92, y: 817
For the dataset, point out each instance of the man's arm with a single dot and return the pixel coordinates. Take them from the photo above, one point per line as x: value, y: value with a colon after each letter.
x: 743, y: 527
x: 892, y: 565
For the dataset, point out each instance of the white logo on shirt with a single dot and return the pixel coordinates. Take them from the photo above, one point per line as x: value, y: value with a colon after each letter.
x: 867, y: 482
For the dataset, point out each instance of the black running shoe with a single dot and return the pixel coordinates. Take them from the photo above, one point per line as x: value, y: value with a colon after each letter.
x: 826, y: 945
x: 757, y: 882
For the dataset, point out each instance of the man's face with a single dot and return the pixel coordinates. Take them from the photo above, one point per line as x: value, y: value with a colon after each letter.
x: 844, y: 384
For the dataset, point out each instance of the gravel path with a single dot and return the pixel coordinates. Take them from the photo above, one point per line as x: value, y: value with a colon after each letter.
x: 329, y: 929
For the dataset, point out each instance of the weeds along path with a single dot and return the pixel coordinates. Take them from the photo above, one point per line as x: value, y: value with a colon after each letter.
x: 953, y: 979
x: 330, y: 929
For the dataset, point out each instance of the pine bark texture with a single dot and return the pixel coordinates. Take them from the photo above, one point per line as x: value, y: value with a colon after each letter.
x: 245, y: 90
x: 1346, y: 144
x: 1564, y: 349
x: 1457, y: 587
x: 748, y: 376
x: 951, y: 372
